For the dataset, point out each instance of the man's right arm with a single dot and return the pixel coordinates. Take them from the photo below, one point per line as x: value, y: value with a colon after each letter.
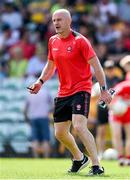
x: 48, y: 71
x: 100, y: 76
x: 46, y: 74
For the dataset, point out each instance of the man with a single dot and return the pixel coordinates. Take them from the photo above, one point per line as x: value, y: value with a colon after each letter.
x: 72, y: 55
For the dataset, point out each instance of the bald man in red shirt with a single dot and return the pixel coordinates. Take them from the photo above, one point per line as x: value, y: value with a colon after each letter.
x: 72, y: 55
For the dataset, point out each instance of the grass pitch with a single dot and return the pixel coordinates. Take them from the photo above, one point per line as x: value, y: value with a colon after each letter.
x: 55, y: 169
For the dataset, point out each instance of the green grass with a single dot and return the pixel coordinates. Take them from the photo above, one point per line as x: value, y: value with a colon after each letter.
x: 55, y: 169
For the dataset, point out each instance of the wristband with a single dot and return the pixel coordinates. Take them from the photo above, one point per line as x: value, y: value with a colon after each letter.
x: 103, y: 88
x: 42, y: 82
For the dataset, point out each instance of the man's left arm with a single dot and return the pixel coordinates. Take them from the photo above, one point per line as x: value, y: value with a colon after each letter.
x: 100, y: 76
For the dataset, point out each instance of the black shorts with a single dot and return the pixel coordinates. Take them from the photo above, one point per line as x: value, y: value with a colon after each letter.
x: 77, y: 103
x: 102, y: 115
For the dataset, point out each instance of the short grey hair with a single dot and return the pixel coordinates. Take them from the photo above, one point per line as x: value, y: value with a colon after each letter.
x: 64, y: 11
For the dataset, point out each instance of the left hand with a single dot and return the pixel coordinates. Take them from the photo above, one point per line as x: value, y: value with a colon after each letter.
x: 105, y: 96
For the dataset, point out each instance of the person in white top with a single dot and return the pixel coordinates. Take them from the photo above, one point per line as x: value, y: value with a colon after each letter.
x: 39, y: 121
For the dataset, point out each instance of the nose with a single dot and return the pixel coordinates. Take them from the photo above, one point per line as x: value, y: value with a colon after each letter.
x: 55, y: 23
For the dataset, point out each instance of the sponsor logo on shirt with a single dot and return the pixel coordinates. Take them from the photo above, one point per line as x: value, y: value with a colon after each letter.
x: 55, y: 49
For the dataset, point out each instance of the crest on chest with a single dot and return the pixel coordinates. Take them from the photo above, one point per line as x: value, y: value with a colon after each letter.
x: 69, y: 48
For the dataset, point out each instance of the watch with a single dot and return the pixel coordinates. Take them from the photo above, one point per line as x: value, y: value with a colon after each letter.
x: 41, y: 81
x: 103, y: 88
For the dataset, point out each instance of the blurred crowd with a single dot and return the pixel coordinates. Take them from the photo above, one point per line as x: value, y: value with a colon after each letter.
x: 25, y: 27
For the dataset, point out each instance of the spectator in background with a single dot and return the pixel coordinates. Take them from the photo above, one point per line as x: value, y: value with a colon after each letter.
x: 126, y: 37
x: 81, y: 6
x: 17, y: 64
x: 3, y: 70
x: 102, y: 113
x: 95, y: 16
x: 106, y: 34
x: 102, y: 52
x: 11, y: 17
x: 117, y: 48
x: 39, y: 121
x: 124, y: 11
x: 59, y: 4
x: 125, y: 64
x: 8, y: 37
x: 38, y: 61
x: 107, y: 9
x: 25, y: 44
x: 50, y: 31
x: 119, y: 117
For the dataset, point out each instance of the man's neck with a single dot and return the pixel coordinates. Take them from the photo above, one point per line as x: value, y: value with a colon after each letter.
x: 64, y: 34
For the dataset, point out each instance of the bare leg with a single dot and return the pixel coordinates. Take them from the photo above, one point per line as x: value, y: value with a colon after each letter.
x: 35, y: 149
x: 101, y: 138
x: 80, y: 126
x: 62, y: 133
x: 127, y: 146
x: 116, y: 129
x: 45, y: 146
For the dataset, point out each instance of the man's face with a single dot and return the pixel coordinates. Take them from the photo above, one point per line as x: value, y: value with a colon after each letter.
x: 61, y: 22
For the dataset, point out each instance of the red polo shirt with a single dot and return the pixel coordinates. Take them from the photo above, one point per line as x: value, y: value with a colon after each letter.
x: 71, y: 56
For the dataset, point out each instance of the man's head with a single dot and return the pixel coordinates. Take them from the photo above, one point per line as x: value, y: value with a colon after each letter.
x: 125, y: 63
x: 109, y: 68
x: 61, y: 19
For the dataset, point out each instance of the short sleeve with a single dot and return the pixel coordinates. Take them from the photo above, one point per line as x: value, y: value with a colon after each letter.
x: 86, y: 49
x: 50, y: 57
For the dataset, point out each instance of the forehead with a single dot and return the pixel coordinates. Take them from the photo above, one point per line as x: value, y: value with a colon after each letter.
x: 58, y: 15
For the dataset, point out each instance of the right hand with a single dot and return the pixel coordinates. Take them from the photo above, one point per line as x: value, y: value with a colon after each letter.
x: 106, y: 97
x: 34, y: 88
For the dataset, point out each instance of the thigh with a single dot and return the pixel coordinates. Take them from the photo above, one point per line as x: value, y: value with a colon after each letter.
x: 44, y: 129
x: 81, y: 103
x: 62, y: 110
x: 79, y: 121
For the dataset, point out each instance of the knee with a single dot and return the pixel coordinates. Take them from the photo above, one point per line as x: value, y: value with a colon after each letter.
x: 79, y: 124
x: 79, y: 128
